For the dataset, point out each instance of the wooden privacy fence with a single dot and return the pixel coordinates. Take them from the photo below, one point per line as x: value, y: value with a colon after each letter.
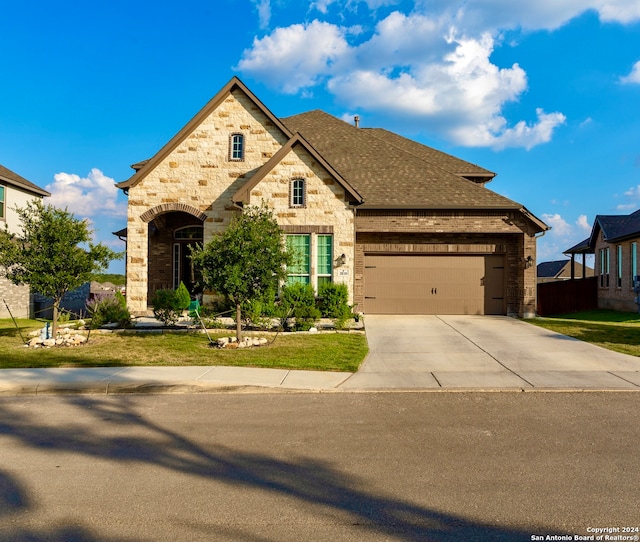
x: 567, y: 296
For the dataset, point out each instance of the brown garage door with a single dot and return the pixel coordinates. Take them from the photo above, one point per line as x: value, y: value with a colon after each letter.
x: 418, y: 284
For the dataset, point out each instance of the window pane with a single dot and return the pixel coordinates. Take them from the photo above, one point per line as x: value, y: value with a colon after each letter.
x: 323, y: 280
x: 325, y: 254
x: 299, y: 247
x: 237, y: 147
x: 297, y: 192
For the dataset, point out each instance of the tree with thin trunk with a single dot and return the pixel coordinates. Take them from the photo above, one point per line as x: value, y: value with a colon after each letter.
x: 246, y: 260
x: 52, y: 253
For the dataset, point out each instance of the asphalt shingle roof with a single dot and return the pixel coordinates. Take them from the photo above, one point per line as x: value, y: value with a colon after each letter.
x: 616, y: 227
x: 392, y: 172
x: 16, y: 180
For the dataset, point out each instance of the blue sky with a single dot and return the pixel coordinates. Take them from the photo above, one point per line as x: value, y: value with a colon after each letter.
x: 546, y: 94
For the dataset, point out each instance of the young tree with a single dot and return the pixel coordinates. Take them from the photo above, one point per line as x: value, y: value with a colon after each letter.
x: 246, y: 260
x: 47, y: 253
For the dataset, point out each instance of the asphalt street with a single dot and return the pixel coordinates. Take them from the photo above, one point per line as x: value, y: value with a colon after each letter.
x: 450, y: 466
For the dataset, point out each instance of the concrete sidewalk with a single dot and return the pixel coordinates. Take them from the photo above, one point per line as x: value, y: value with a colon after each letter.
x: 435, y: 353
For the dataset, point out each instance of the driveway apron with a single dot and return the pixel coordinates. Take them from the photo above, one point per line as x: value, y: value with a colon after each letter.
x: 486, y: 352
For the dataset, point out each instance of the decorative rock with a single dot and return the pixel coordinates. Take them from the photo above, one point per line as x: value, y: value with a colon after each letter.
x: 49, y: 342
x: 313, y: 330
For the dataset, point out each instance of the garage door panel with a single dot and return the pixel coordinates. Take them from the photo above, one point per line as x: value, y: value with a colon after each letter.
x: 410, y: 284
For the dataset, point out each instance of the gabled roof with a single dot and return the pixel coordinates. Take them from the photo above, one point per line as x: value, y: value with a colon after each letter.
x: 389, y: 176
x: 12, y: 178
x: 617, y: 227
x: 242, y: 195
x: 146, y: 166
x: 614, y: 228
x: 551, y: 269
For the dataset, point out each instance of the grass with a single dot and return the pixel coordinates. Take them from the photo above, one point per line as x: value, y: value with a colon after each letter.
x: 322, y: 351
x: 618, y: 331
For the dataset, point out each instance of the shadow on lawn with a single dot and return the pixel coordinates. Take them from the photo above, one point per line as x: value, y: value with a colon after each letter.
x: 308, y: 481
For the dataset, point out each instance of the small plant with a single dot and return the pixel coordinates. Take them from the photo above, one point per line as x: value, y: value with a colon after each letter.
x: 298, y: 301
x: 166, y: 307
x: 183, y: 298
x: 109, y: 310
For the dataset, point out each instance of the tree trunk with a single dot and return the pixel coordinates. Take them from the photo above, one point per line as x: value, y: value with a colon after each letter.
x: 54, y: 321
x: 238, y: 323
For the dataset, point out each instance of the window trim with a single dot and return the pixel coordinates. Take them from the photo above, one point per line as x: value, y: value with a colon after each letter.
x: 236, y: 155
x: 293, y: 193
x: 320, y: 275
x: 604, y: 267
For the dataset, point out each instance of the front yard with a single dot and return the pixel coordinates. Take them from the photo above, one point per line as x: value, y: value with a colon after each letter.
x: 618, y: 331
x: 321, y: 351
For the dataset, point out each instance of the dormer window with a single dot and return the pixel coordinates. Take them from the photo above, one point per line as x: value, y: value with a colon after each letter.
x: 297, y: 193
x: 236, y: 147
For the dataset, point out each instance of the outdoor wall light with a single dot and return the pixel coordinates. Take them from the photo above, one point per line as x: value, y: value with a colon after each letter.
x: 341, y: 260
x: 528, y: 262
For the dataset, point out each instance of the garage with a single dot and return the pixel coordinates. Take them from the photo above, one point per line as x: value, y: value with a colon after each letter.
x: 434, y: 284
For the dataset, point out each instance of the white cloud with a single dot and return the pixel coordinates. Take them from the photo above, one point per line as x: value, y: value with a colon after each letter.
x: 634, y: 75
x: 583, y: 224
x: 93, y: 195
x: 559, y: 226
x: 297, y: 56
x: 264, y: 12
x: 428, y: 64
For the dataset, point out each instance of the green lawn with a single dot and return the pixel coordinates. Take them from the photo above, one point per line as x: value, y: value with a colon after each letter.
x: 322, y: 351
x: 618, y: 331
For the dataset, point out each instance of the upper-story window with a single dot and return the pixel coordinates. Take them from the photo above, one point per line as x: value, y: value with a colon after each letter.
x: 297, y: 193
x: 236, y: 147
x: 2, y: 202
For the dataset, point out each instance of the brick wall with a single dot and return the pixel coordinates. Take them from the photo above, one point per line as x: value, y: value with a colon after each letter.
x: 17, y: 297
x: 615, y: 296
x: 454, y: 232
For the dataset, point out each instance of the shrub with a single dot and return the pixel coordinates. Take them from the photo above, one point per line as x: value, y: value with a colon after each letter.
x: 298, y: 301
x: 183, y: 298
x: 166, y: 307
x: 108, y: 310
x: 259, y: 312
x: 333, y: 300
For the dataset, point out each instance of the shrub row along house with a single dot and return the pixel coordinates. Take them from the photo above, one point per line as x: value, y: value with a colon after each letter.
x: 15, y: 191
x: 409, y: 229
x: 614, y: 241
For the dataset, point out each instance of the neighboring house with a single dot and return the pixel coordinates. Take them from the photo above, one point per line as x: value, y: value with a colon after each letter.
x: 561, y: 270
x: 614, y: 241
x: 409, y: 230
x: 15, y: 191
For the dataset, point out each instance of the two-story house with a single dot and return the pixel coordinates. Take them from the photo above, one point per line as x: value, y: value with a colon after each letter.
x: 15, y: 191
x: 409, y: 229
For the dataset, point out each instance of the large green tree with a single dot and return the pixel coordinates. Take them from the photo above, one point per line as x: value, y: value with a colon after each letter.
x: 52, y: 252
x: 245, y: 261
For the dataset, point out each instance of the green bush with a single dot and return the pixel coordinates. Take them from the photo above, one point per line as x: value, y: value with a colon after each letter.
x: 108, y: 310
x: 298, y: 301
x: 166, y: 307
x: 259, y: 312
x: 183, y: 298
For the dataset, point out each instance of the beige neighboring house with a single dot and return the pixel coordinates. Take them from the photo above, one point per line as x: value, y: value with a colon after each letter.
x: 15, y: 191
x: 561, y: 270
x: 409, y: 229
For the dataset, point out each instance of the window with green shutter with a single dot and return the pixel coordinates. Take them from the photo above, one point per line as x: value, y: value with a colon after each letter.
x: 325, y: 259
x: 300, y: 269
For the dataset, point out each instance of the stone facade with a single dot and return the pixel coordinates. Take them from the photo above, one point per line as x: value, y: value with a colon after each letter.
x: 198, y: 174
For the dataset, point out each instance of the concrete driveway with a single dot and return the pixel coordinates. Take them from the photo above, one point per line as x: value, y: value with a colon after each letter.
x: 486, y: 352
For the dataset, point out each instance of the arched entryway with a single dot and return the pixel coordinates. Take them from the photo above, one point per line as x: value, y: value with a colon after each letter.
x: 172, y: 231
